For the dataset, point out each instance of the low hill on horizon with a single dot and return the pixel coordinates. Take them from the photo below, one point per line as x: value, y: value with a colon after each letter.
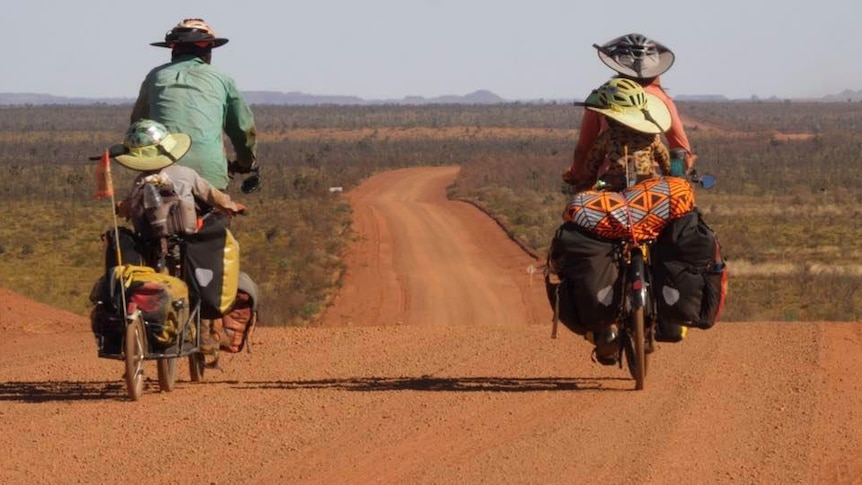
x: 482, y: 96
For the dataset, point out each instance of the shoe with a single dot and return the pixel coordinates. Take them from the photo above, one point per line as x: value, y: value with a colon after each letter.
x: 607, y: 346
x: 669, y: 332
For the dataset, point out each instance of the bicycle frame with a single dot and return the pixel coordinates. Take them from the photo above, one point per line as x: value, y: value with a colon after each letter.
x: 636, y: 277
x: 637, y: 317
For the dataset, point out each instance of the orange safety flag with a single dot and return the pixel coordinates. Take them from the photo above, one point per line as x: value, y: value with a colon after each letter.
x: 104, y: 182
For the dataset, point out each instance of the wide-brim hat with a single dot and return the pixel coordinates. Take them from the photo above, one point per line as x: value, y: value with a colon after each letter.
x: 216, y: 42
x: 654, y: 118
x: 647, y: 60
x: 191, y: 31
x: 152, y: 157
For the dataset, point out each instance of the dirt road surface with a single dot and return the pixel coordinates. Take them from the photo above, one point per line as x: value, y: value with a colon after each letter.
x: 435, y: 365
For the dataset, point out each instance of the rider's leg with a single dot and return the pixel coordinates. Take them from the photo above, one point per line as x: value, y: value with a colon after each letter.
x: 209, y: 336
x: 607, y: 347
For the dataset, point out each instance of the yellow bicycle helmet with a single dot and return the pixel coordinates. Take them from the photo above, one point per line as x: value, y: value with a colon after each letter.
x: 625, y: 101
x: 623, y: 93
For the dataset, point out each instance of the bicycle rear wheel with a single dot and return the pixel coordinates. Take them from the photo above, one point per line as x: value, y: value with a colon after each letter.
x: 197, y: 364
x: 640, y: 360
x: 633, y: 363
x: 167, y: 369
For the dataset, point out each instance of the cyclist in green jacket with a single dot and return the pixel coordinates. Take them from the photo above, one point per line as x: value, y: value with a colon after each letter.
x: 187, y: 95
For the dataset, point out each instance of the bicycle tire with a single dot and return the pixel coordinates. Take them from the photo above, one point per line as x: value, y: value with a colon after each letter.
x: 167, y: 370
x: 639, y: 370
x: 197, y: 364
x: 134, y: 348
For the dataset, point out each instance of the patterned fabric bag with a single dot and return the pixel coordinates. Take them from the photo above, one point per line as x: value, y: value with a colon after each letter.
x: 653, y: 203
x: 599, y: 212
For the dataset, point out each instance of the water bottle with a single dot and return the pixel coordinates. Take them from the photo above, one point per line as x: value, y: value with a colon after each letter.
x: 154, y: 212
x: 677, y: 162
x: 152, y: 198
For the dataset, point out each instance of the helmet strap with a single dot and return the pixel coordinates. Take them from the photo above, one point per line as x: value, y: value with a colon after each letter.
x: 652, y: 120
x: 166, y: 153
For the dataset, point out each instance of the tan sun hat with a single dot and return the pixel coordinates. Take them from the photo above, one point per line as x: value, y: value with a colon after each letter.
x: 635, y: 55
x: 149, y: 146
x: 191, y: 31
x: 626, y: 101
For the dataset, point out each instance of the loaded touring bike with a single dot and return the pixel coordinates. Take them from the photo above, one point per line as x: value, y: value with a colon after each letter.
x: 609, y: 262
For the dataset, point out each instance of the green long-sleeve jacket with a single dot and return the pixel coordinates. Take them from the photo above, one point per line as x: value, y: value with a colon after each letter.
x: 190, y: 96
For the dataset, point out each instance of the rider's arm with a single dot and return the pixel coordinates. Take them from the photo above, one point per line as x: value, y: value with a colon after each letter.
x: 239, y: 127
x: 591, y: 125
x: 214, y: 197
x: 661, y: 155
x: 676, y: 137
x: 588, y: 175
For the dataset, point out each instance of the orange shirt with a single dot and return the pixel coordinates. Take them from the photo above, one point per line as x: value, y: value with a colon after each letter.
x: 594, y: 123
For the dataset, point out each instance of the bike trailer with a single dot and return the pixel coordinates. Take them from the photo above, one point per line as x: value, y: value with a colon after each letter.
x: 163, y: 301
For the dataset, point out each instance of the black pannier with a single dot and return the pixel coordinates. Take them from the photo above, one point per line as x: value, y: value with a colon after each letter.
x: 131, y: 250
x: 212, y: 265
x: 689, y: 274
x: 584, y: 283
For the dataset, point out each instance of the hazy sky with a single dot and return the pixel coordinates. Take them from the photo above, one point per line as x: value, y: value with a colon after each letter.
x: 394, y: 48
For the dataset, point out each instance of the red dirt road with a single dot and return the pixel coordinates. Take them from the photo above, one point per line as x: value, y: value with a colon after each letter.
x: 435, y: 365
x: 425, y: 260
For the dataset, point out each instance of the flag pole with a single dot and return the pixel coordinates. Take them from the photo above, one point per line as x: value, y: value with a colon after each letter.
x: 105, y: 187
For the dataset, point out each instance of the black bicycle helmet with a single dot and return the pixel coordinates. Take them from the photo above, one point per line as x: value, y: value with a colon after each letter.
x: 635, y: 55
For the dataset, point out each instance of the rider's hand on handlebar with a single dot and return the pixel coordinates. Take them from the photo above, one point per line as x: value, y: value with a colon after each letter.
x: 240, y: 209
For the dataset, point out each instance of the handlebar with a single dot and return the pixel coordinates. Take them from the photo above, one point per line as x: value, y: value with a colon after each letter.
x: 252, y: 182
x: 706, y: 181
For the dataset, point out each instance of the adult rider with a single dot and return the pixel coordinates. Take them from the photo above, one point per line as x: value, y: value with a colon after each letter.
x: 188, y: 95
